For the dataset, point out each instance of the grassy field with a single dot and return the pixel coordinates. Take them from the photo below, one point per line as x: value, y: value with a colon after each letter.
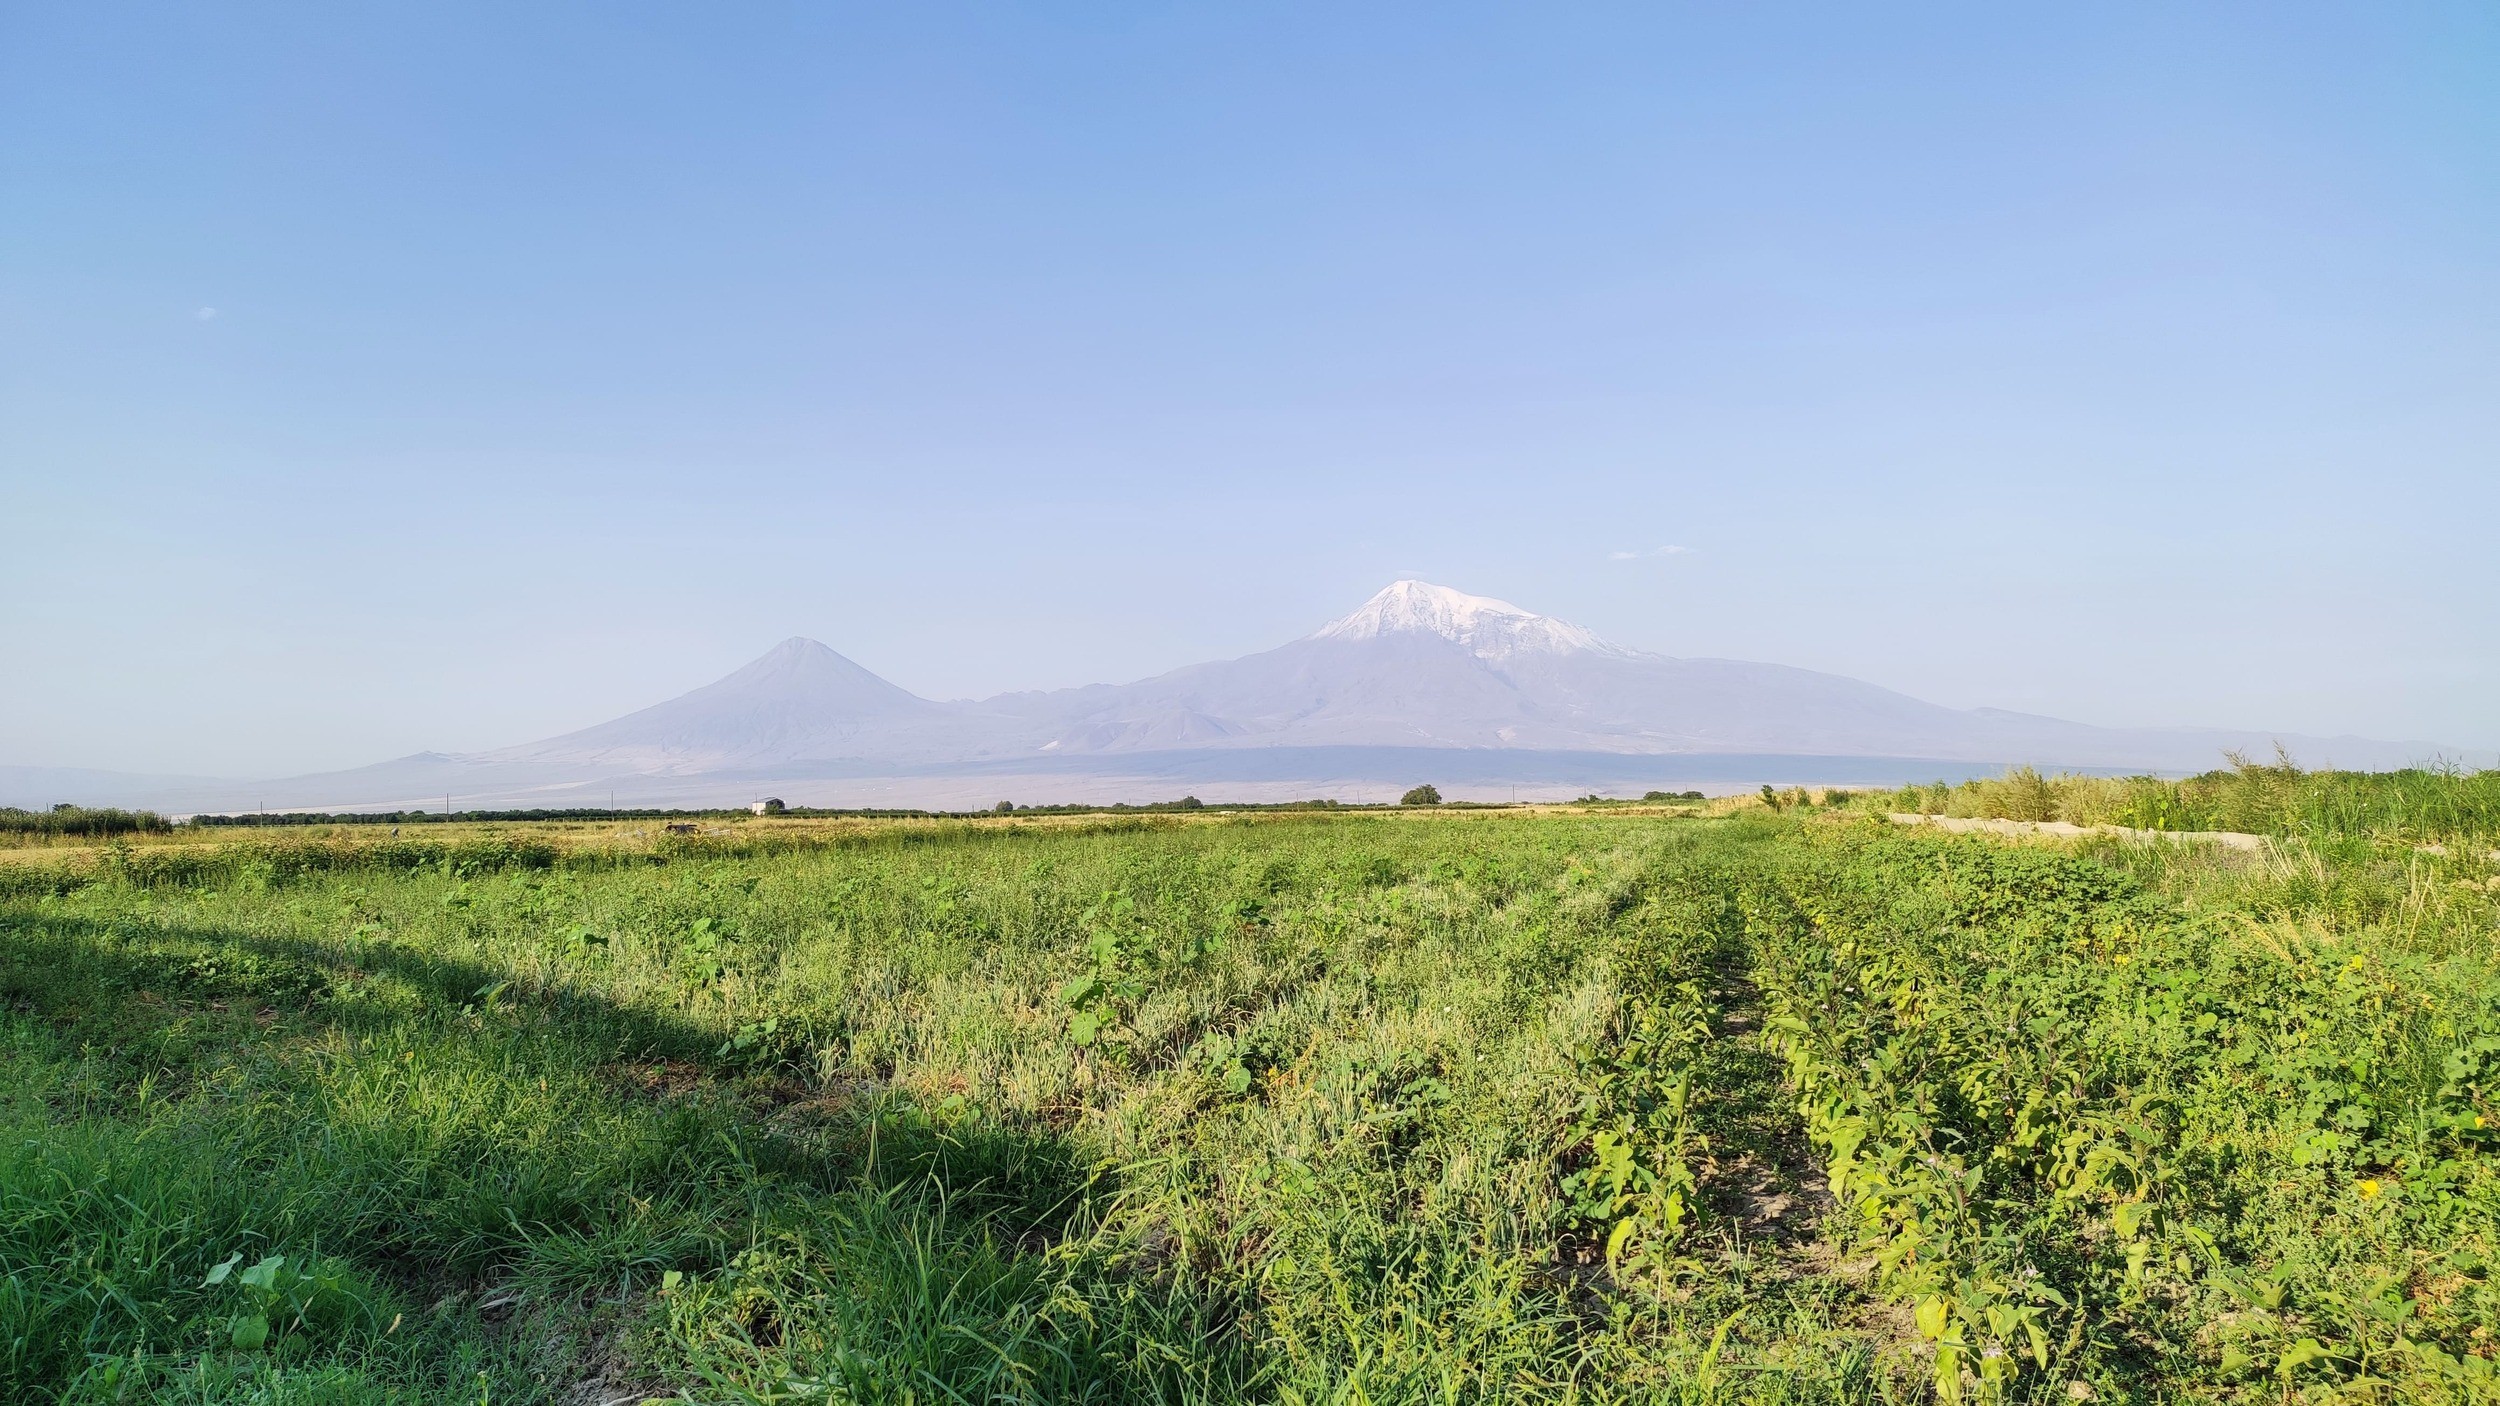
x: 1598, y: 1106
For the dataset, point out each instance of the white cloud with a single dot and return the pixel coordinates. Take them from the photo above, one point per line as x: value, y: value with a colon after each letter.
x: 1669, y: 550
x: 206, y: 314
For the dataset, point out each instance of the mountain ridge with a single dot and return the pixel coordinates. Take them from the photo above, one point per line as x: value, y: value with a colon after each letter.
x: 1418, y: 671
x: 1416, y: 665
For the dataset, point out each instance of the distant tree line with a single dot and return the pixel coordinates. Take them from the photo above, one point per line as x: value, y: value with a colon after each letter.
x: 274, y: 819
x: 67, y: 819
x: 294, y: 818
x: 250, y: 819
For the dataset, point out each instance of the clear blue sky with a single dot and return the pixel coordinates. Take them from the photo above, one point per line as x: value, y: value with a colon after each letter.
x: 2138, y: 364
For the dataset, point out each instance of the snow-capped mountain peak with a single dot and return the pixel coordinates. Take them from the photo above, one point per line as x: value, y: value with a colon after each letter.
x: 1491, y: 629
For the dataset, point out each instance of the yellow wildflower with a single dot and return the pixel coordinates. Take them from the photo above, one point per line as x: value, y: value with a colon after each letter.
x: 2369, y: 1187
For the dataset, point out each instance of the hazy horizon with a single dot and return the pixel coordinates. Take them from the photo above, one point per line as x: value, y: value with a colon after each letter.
x: 376, y: 383
x: 735, y: 733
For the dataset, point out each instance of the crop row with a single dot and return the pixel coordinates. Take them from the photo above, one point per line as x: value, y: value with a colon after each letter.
x: 2089, y: 1137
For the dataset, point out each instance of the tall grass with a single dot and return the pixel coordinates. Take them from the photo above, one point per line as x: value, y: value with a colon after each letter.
x: 2274, y: 798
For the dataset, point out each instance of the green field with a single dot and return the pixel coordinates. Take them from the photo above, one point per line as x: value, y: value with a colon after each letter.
x: 1774, y: 1106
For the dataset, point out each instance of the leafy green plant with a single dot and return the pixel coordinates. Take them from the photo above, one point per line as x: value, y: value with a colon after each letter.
x: 278, y: 1296
x: 1634, y: 1131
x: 1098, y: 1003
x: 761, y: 1044
x: 1125, y: 957
x: 581, y: 942
x: 1232, y: 1065
x: 703, y: 956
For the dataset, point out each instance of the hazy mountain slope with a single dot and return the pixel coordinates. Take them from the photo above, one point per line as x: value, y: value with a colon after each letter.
x: 1416, y: 665
x: 1390, y: 691
x: 799, y: 699
x: 1423, y: 665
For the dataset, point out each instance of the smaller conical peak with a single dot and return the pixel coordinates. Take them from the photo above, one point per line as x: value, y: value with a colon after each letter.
x: 796, y: 652
x: 800, y: 662
x: 1492, y: 629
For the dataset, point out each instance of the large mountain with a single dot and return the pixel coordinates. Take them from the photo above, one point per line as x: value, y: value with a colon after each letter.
x: 1421, y: 665
x: 1421, y: 683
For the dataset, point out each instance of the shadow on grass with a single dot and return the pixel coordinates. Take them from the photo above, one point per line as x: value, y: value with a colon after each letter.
x: 217, y: 1090
x: 209, y: 986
